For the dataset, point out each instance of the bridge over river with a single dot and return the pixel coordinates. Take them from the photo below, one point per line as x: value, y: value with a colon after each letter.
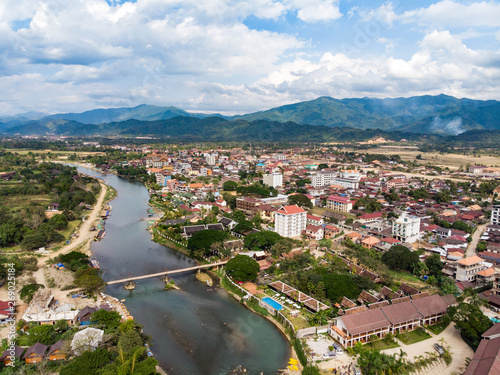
x: 159, y: 274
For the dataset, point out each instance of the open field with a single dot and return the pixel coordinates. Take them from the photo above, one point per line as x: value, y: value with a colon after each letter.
x: 17, y: 202
x: 453, y: 161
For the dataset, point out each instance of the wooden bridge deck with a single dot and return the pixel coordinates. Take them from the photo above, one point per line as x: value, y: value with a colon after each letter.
x: 165, y: 273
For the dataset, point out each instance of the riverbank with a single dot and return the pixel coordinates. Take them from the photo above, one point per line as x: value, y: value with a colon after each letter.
x: 275, y: 322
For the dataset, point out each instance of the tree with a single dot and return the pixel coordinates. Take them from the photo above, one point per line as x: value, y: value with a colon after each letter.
x: 199, y: 244
x: 88, y: 363
x: 242, y: 268
x: 90, y: 283
x: 129, y: 341
x: 243, y: 226
x: 107, y: 319
x: 471, y: 322
x: 399, y: 257
x: 44, y: 334
x: 338, y: 285
x: 300, y: 200
x: 263, y: 240
x: 230, y: 185
x: 28, y: 291
x: 434, y: 265
x: 311, y: 370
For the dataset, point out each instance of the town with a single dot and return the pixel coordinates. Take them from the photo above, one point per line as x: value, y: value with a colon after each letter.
x: 350, y: 253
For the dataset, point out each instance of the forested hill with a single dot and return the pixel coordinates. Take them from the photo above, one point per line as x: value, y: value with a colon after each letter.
x: 440, y: 114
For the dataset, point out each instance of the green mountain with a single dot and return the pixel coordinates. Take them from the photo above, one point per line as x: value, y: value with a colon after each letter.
x: 142, y: 112
x: 440, y: 114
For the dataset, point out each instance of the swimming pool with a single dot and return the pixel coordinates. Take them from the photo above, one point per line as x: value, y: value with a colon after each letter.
x: 495, y: 320
x: 272, y: 303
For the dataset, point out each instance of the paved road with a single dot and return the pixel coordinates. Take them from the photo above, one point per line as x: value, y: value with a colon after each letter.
x: 459, y: 351
x: 471, y: 249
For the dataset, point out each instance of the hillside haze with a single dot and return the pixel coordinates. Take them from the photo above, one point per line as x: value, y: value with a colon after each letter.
x: 441, y: 115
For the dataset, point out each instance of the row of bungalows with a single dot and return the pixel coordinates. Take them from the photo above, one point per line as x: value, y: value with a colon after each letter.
x: 35, y: 353
x: 309, y: 302
x: 404, y: 314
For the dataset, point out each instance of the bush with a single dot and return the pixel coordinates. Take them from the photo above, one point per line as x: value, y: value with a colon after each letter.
x: 242, y: 268
x: 28, y: 291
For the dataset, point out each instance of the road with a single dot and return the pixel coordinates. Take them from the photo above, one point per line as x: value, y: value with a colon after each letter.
x: 84, y: 234
x: 471, y: 249
x: 458, y: 348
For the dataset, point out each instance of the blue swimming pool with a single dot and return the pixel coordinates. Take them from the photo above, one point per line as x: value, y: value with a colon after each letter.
x: 272, y: 303
x: 495, y: 320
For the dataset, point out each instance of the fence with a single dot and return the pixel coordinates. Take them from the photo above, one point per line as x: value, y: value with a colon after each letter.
x: 279, y: 316
x: 171, y: 239
x: 311, y: 331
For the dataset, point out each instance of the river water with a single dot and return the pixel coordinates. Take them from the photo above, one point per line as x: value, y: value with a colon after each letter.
x: 195, y: 331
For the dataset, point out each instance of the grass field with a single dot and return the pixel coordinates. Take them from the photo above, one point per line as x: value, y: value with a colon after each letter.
x: 17, y: 202
x: 453, y: 161
x: 382, y: 344
x: 71, y: 227
x: 414, y: 336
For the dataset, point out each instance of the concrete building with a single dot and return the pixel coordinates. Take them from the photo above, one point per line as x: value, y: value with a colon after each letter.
x: 338, y: 203
x: 211, y: 159
x: 290, y: 221
x: 323, y: 177
x: 468, y: 268
x: 274, y: 179
x: 495, y: 215
x: 406, y: 228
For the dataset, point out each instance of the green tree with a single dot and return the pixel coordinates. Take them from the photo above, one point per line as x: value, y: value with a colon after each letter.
x: 107, y: 319
x: 399, y: 257
x: 28, y: 291
x: 230, y: 185
x: 44, y: 334
x: 199, y: 244
x: 90, y: 283
x: 300, y: 200
x: 88, y: 363
x: 263, y: 240
x: 471, y: 322
x: 242, y: 268
x: 311, y: 370
x: 434, y: 265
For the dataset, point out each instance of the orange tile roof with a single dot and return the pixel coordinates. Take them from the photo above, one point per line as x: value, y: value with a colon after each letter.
x: 487, y: 272
x: 289, y: 210
x: 470, y: 260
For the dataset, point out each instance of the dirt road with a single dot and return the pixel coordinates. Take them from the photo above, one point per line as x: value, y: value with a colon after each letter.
x: 471, y: 249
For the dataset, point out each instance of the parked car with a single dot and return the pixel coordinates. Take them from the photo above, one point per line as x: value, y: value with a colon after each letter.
x: 439, y: 348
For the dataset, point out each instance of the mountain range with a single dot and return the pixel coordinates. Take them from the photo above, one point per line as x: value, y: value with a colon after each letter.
x: 440, y: 114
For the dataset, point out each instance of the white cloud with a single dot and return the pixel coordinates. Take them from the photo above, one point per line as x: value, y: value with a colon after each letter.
x: 449, y: 13
x: 316, y: 10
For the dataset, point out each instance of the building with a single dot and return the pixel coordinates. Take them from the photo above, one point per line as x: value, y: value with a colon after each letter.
x: 35, y: 353
x: 211, y: 159
x: 338, y: 203
x: 468, y: 268
x: 6, y: 356
x: 495, y: 215
x: 406, y: 228
x: 56, y: 352
x: 314, y: 220
x: 274, y: 179
x: 331, y: 231
x: 323, y: 177
x: 314, y: 232
x: 290, y: 221
x: 486, y: 360
x: 87, y: 339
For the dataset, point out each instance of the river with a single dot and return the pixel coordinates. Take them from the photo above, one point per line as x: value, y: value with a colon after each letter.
x: 194, y: 331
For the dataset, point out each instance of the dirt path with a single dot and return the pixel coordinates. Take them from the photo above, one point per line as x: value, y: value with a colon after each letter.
x: 471, y: 249
x: 459, y: 352
x: 84, y: 234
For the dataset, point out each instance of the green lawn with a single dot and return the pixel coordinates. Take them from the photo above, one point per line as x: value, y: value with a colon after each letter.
x: 70, y: 228
x: 438, y: 328
x: 382, y: 344
x: 413, y: 336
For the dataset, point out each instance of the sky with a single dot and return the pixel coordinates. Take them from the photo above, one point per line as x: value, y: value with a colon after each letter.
x: 233, y: 57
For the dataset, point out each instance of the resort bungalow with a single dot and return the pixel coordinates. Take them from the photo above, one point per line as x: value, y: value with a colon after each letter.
x: 403, y: 317
x: 85, y: 315
x: 6, y: 356
x: 35, y: 353
x: 55, y: 351
x: 350, y: 329
x: 431, y: 308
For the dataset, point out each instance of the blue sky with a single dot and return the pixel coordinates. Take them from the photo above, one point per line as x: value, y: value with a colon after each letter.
x: 232, y: 56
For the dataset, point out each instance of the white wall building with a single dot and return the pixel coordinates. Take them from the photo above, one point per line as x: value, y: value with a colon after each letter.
x: 406, y: 228
x: 211, y: 159
x: 274, y: 179
x: 495, y: 215
x: 290, y: 221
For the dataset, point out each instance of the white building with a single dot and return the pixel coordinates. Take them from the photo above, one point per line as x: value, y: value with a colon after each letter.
x: 338, y: 203
x: 468, y: 268
x: 211, y: 159
x: 323, y: 177
x: 274, y: 179
x: 290, y: 221
x: 495, y: 215
x: 406, y: 228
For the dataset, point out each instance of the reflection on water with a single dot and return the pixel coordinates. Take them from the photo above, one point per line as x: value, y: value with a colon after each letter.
x: 195, y: 331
